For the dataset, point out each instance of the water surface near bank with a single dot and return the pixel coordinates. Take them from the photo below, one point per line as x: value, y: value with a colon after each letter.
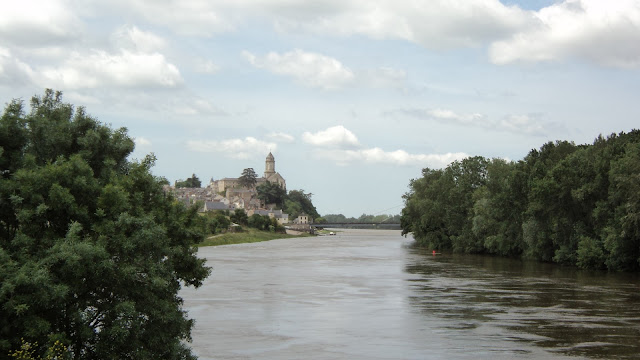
x: 365, y: 294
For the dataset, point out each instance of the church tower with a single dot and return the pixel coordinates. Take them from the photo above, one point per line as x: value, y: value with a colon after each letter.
x: 269, y: 166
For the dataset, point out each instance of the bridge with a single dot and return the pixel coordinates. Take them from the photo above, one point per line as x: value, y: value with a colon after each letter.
x: 363, y: 225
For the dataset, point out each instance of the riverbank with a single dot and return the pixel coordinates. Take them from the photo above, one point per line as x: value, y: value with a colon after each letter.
x: 247, y: 236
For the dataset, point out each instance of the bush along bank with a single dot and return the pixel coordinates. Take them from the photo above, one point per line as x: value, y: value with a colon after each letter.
x: 564, y: 203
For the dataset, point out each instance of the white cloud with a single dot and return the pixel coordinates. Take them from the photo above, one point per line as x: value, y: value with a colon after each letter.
x: 47, y: 53
x: 191, y: 18
x: 311, y: 69
x: 521, y: 124
x: 33, y: 22
x: 5, y: 57
x: 335, y: 136
x: 136, y: 40
x: 605, y: 32
x: 398, y: 157
x: 281, y: 137
x: 384, y: 77
x: 233, y: 148
x: 13, y: 70
x: 81, y: 98
x: 447, y: 116
x: 100, y: 68
x: 187, y: 106
x: 526, y: 124
x: 340, y: 145
x: 433, y: 24
x: 142, y: 142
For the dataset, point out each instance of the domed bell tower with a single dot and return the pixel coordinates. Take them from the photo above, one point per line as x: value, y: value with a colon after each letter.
x: 269, y: 166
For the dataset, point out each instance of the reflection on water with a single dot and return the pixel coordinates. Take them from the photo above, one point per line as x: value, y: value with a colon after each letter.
x: 573, y: 312
x: 366, y: 294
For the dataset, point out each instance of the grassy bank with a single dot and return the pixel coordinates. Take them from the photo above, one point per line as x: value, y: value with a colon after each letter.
x: 247, y: 236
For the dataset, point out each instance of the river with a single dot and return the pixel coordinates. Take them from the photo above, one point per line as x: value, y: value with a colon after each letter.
x: 366, y: 294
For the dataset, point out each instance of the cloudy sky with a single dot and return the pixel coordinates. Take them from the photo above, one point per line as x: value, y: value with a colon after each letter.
x: 353, y: 97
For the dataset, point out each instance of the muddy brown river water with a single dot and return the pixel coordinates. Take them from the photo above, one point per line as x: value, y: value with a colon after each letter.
x: 366, y: 294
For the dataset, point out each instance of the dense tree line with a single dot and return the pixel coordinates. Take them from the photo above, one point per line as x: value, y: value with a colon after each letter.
x: 218, y: 222
x: 265, y: 223
x: 299, y: 202
x: 272, y: 193
x: 564, y: 203
x: 364, y: 218
x: 294, y: 203
x: 92, y: 251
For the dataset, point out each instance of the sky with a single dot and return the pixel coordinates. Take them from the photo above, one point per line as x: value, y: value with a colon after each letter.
x: 353, y: 97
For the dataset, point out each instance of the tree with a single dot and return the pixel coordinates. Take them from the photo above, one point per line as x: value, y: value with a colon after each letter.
x: 425, y: 211
x: 299, y: 202
x: 271, y: 193
x: 335, y: 218
x: 93, y: 252
x: 218, y: 222
x: 260, y: 222
x: 163, y: 181
x: 622, y: 235
x: 564, y: 203
x: 239, y: 217
x: 192, y: 182
x: 293, y: 208
x: 248, y: 179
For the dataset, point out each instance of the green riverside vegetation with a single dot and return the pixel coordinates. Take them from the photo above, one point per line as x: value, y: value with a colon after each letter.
x: 93, y: 253
x: 246, y: 236
x: 564, y: 203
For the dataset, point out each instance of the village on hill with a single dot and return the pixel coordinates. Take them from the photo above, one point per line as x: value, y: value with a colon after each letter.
x: 229, y: 194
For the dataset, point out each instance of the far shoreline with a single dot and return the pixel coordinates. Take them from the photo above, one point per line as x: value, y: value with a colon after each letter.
x: 249, y: 236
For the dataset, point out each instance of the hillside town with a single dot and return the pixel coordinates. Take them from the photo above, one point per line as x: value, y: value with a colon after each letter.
x: 227, y: 194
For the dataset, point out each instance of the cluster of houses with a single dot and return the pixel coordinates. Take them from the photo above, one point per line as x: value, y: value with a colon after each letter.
x: 226, y: 194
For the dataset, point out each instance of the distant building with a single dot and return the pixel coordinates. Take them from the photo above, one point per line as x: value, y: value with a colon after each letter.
x: 270, y: 175
x: 302, y: 219
x: 227, y: 194
x: 281, y: 217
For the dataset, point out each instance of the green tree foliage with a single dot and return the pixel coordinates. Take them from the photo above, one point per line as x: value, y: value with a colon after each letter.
x: 364, y: 218
x: 260, y: 222
x: 295, y: 203
x: 265, y: 223
x: 28, y: 351
x: 621, y: 235
x: 192, y: 182
x: 92, y: 251
x: 240, y: 217
x: 163, y: 181
x: 336, y: 218
x: 564, y: 203
x: 248, y: 179
x: 298, y: 202
x: 271, y: 193
x: 218, y: 222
